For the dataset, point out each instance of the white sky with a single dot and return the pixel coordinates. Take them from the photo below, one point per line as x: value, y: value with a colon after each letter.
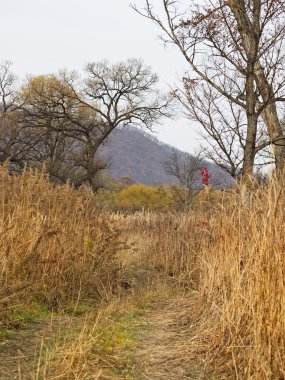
x: 43, y: 36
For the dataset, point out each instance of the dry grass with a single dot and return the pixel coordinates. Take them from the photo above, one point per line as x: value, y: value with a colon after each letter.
x: 171, y: 243
x: 69, y: 355
x: 242, y: 281
x: 55, y: 247
x: 232, y: 254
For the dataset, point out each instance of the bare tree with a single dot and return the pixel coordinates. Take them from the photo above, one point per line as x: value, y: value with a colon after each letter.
x: 237, y: 48
x: 186, y: 169
x: 14, y: 145
x: 43, y: 127
x: 48, y: 111
x: 109, y: 97
x: 224, y: 125
x: 71, y: 117
x: 8, y: 87
x: 261, y: 24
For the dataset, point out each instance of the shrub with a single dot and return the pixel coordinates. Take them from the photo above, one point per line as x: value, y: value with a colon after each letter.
x: 137, y: 197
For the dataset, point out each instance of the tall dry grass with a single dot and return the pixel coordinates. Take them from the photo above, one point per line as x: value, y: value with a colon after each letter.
x: 71, y: 356
x: 55, y: 247
x: 233, y: 255
x: 170, y: 242
x: 242, y: 280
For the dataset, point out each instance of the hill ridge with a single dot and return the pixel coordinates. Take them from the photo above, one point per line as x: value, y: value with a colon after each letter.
x: 139, y: 155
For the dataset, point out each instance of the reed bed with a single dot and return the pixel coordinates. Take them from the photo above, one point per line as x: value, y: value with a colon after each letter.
x: 55, y: 247
x: 242, y: 281
x: 233, y: 255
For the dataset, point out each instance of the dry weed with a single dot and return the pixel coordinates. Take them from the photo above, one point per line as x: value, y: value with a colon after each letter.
x: 54, y: 245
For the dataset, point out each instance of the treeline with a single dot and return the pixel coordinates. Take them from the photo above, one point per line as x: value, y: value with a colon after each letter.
x: 59, y: 121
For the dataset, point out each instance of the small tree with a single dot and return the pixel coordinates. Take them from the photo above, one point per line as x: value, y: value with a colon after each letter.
x: 187, y: 170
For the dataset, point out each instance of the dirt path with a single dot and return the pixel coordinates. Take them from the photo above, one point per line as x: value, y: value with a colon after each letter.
x: 164, y: 350
x: 163, y: 342
x: 161, y: 347
x: 161, y: 351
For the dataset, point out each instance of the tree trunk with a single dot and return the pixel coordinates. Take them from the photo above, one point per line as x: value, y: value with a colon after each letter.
x: 250, y: 145
x: 250, y: 34
x: 90, y: 167
x: 271, y: 118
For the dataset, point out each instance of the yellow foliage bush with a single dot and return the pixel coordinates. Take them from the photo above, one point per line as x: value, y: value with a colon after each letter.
x: 137, y: 197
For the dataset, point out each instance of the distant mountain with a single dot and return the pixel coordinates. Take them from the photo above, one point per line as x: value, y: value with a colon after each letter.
x: 140, y: 156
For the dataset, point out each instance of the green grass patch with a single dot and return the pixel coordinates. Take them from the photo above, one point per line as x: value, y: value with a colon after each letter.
x: 117, y: 338
x: 77, y: 309
x: 7, y: 334
x: 26, y: 314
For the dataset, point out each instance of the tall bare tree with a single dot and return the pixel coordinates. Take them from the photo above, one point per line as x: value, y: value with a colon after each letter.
x: 261, y: 33
x: 74, y: 116
x: 112, y: 96
x: 224, y: 125
x: 237, y: 48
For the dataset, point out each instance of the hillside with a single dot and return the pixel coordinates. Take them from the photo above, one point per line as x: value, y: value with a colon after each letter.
x: 140, y: 156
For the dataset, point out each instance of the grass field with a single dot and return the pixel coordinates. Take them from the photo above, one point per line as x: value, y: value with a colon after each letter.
x: 94, y: 293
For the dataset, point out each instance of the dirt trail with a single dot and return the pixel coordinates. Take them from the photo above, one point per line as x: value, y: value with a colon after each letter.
x: 163, y: 342
x: 162, y: 348
x: 164, y: 345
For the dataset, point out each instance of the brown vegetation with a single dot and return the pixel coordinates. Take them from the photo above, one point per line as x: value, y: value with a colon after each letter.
x: 237, y: 269
x: 56, y: 248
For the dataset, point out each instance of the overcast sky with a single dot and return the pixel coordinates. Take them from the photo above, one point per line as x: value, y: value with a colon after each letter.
x: 43, y: 36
